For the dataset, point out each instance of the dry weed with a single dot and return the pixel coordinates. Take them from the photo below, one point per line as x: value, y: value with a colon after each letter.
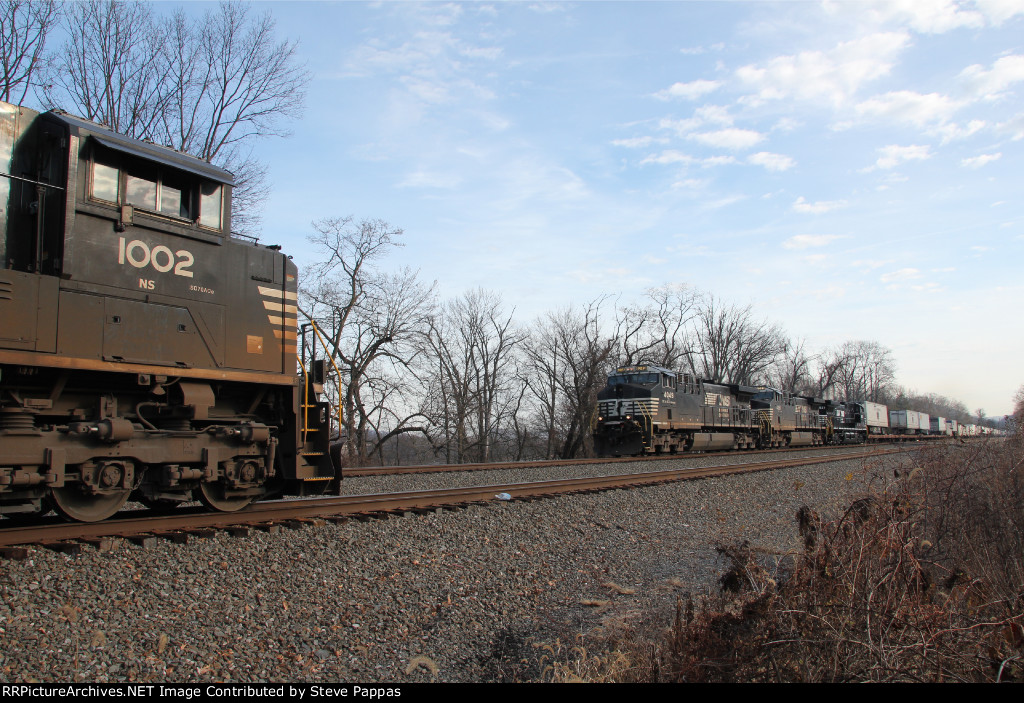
x: 922, y: 579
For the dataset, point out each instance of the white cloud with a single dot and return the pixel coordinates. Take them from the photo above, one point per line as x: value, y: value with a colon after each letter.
x: 952, y: 131
x: 1014, y: 127
x: 713, y: 114
x: 908, y: 106
x: 786, y: 124
x: 905, y: 274
x: 669, y: 157
x: 690, y: 184
x: 998, y: 11
x: 933, y: 112
x: 834, y: 76
x: 673, y: 156
x: 681, y: 127
x: 697, y: 50
x: 688, y: 91
x: 733, y: 138
x: 981, y: 84
x: 636, y: 142
x: 723, y: 202
x: 979, y: 161
x: 807, y: 241
x: 772, y: 162
x: 713, y: 161
x: 931, y: 16
x: 491, y: 53
x: 924, y: 16
x: 893, y: 155
x: 702, y: 117
x: 822, y: 206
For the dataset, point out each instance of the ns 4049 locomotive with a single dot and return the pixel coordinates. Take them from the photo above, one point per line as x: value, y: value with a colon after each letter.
x: 144, y: 351
x: 651, y: 410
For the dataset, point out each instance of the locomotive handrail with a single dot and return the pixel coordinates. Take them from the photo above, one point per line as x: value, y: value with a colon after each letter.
x: 316, y: 329
x: 33, y: 182
x: 305, y: 383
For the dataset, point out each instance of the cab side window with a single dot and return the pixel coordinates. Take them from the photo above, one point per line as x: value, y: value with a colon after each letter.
x: 105, y: 182
x: 156, y: 189
x: 209, y: 205
x: 141, y: 188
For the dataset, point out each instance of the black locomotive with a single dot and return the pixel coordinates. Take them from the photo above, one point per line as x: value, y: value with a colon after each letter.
x: 144, y: 351
x: 651, y: 410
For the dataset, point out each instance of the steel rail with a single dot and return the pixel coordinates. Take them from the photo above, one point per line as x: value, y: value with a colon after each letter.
x: 539, y: 464
x: 296, y: 509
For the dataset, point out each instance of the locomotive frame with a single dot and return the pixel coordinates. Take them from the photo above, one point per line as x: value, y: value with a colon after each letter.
x: 144, y: 351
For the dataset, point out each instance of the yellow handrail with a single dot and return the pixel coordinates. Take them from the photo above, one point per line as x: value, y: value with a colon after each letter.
x: 316, y: 329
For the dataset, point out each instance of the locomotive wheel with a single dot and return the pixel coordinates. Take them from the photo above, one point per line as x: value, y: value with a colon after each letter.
x: 212, y: 496
x: 74, y: 504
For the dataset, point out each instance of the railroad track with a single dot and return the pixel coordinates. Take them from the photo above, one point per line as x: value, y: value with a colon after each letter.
x: 443, y: 468
x: 291, y: 513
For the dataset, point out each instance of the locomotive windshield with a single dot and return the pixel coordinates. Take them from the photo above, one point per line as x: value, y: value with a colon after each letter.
x: 638, y: 379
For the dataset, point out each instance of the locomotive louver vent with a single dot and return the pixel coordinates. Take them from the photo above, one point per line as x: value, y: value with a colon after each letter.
x: 717, y: 399
x: 621, y: 408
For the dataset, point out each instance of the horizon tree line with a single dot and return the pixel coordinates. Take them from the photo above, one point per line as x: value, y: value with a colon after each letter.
x: 472, y: 384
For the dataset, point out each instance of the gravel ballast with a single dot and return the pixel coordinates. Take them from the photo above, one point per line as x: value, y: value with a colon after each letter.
x: 465, y: 595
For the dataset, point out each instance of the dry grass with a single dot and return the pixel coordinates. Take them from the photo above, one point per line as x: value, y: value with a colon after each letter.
x: 922, y: 579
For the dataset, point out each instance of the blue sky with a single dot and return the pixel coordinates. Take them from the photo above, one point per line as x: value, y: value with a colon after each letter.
x: 850, y: 168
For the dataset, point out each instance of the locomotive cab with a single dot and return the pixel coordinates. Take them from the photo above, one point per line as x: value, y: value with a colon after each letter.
x: 634, y: 400
x: 144, y: 350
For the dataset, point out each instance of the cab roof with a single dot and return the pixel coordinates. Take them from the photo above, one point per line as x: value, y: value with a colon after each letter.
x: 146, y: 150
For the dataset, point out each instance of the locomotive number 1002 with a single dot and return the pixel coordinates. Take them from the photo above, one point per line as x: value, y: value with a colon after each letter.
x: 138, y: 254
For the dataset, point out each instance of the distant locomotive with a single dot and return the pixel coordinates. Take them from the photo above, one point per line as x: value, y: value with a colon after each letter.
x: 647, y: 409
x: 651, y: 410
x: 144, y: 351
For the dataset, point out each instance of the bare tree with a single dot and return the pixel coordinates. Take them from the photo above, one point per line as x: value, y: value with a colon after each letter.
x: 111, y: 69
x: 828, y: 367
x: 209, y: 87
x: 730, y: 345
x: 471, y: 346
x: 656, y: 331
x: 934, y: 404
x: 1015, y: 422
x: 569, y: 357
x: 248, y: 85
x: 24, y: 27
x: 543, y: 367
x: 868, y: 371
x: 791, y: 370
x: 373, y: 321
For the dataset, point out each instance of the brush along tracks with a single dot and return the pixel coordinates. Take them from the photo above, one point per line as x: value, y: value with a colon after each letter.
x: 292, y: 513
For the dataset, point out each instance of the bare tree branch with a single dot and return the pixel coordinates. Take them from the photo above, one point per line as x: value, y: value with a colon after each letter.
x: 24, y: 27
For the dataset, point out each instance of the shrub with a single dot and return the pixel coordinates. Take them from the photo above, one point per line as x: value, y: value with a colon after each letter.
x: 920, y: 580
